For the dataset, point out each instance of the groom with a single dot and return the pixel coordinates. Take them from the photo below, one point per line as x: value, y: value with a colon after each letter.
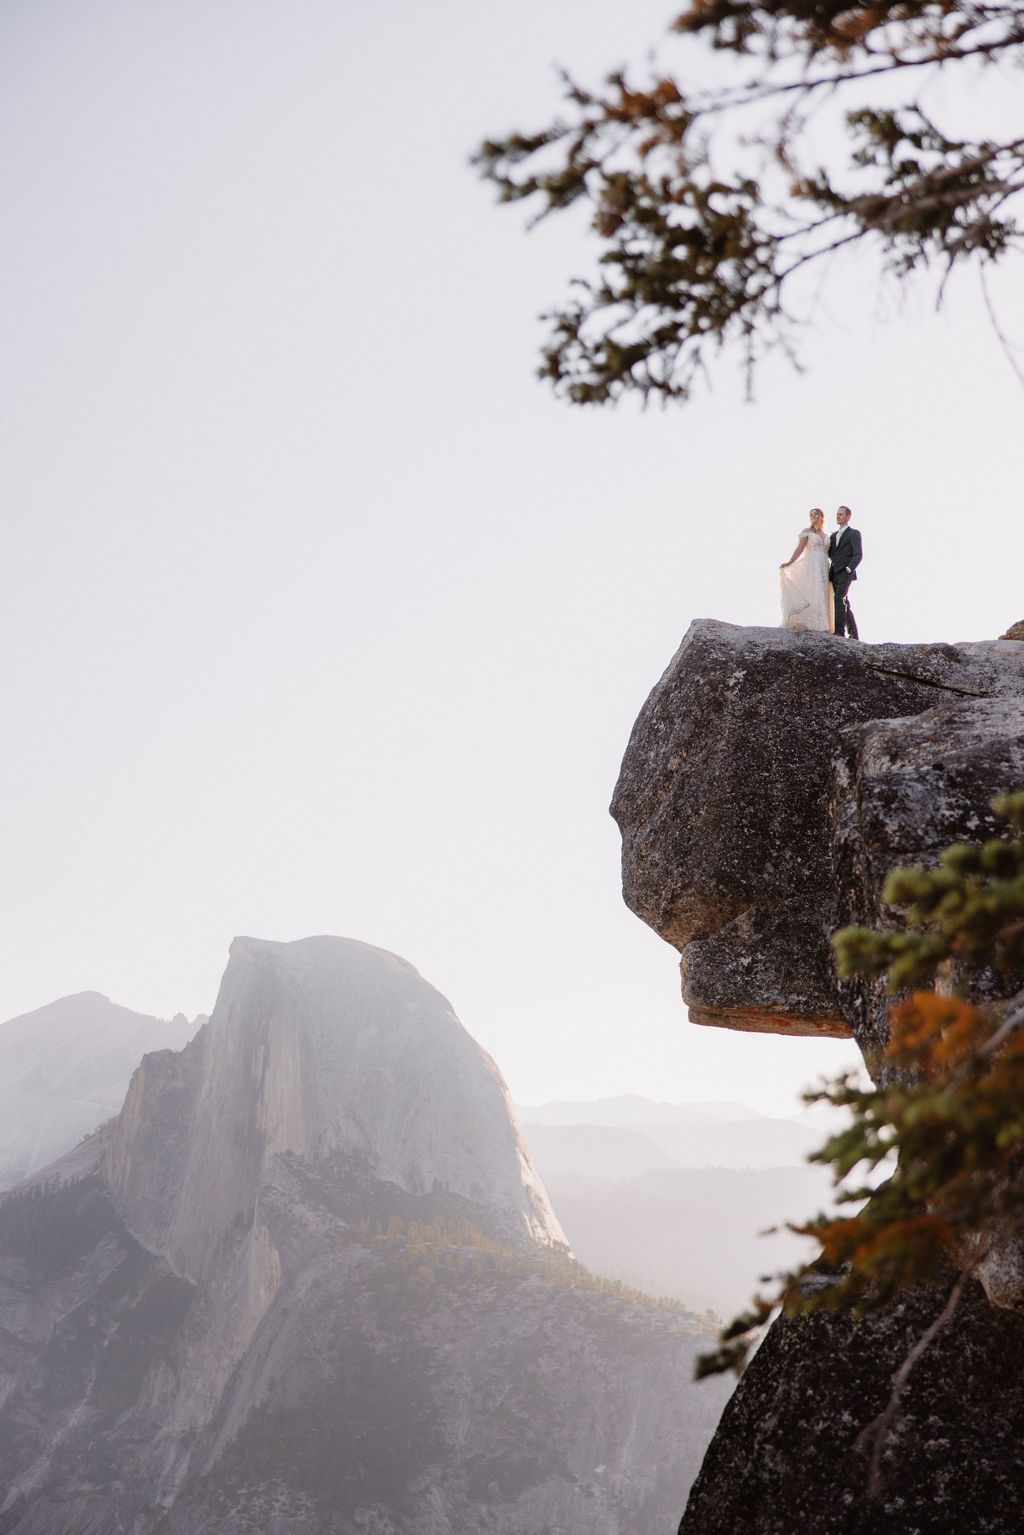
x: 844, y: 555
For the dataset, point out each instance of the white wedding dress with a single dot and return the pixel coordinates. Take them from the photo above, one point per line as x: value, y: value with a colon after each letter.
x: 807, y: 599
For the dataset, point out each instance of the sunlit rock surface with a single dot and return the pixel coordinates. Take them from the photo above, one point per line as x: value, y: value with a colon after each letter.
x: 771, y: 781
x: 64, y: 1069
x: 309, y: 1282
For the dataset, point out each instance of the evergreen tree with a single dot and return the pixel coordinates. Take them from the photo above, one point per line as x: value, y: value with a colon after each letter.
x: 945, y: 1119
x: 790, y: 132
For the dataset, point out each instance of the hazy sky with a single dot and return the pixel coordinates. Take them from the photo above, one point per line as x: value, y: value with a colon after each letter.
x: 320, y: 613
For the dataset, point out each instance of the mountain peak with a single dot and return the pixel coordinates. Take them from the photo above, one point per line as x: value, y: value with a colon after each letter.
x: 337, y: 1053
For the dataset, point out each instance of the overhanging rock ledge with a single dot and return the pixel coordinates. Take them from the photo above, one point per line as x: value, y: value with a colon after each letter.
x: 772, y: 780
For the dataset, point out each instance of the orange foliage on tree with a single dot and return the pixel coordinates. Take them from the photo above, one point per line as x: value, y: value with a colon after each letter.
x: 944, y: 1118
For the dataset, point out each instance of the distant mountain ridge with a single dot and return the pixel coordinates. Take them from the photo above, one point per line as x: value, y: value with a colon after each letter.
x: 631, y: 1109
x: 65, y: 1068
x: 675, y: 1200
x: 675, y: 1134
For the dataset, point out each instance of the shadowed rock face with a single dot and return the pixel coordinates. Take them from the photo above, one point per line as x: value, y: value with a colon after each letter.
x: 772, y: 780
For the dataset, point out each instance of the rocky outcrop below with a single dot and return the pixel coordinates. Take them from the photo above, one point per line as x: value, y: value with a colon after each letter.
x: 64, y: 1069
x: 771, y: 782
x: 793, y: 1454
x: 309, y: 1281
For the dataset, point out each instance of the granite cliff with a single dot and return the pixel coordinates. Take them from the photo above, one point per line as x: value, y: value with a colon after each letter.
x: 771, y: 782
x: 309, y: 1282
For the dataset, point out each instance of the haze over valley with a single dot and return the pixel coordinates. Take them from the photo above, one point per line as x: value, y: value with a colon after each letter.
x: 672, y: 1199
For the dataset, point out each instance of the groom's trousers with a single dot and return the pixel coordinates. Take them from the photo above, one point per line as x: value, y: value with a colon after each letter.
x: 845, y: 621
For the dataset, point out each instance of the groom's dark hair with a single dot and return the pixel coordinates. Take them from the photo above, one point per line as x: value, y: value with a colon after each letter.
x: 845, y: 509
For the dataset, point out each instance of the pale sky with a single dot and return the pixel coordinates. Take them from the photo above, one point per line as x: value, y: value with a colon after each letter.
x: 320, y: 613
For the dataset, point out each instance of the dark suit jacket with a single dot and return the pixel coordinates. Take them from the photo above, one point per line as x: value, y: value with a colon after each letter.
x: 844, y: 552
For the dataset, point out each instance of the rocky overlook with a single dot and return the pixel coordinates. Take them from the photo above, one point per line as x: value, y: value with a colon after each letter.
x: 309, y: 1282
x: 771, y: 782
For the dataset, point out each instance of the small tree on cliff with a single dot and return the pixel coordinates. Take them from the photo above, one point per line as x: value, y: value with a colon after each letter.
x: 809, y: 129
x: 948, y: 1115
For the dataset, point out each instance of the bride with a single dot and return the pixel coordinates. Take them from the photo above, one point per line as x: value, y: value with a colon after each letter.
x: 803, y: 581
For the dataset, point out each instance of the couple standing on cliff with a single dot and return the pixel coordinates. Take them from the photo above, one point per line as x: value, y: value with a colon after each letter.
x: 815, y: 580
